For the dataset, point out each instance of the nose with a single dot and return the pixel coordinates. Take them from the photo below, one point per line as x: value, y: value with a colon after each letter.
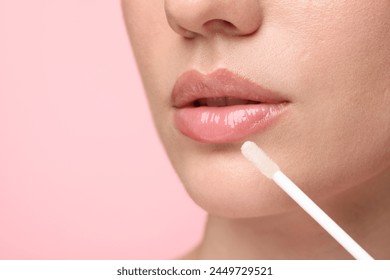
x: 192, y: 18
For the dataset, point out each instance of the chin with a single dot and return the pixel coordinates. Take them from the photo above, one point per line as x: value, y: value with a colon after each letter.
x: 229, y: 186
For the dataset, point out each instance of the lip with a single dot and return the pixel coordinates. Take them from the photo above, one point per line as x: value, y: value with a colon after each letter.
x: 223, y: 124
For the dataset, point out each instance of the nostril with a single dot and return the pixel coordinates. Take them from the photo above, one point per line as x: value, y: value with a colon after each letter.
x: 228, y: 24
x: 219, y: 26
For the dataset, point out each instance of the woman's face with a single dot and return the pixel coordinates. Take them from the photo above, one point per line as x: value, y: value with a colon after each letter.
x: 328, y: 60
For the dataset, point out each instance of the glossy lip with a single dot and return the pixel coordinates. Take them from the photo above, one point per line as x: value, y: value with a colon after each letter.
x: 223, y: 124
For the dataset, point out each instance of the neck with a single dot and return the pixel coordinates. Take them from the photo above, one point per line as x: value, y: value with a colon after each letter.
x: 362, y: 211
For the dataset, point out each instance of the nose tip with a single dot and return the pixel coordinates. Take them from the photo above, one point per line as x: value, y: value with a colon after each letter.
x: 205, y: 18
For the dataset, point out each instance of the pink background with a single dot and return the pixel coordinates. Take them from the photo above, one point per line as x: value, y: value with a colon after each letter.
x: 82, y: 172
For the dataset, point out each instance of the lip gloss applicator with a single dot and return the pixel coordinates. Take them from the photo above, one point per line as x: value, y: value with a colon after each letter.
x: 271, y: 170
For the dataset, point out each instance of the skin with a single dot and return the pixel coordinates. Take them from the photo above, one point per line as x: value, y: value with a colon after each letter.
x: 331, y: 60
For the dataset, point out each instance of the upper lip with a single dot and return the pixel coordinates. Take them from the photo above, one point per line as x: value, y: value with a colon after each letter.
x: 193, y: 85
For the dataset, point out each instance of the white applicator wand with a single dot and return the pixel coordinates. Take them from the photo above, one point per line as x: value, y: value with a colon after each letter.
x: 270, y: 169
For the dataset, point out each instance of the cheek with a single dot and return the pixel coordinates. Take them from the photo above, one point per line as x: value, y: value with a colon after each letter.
x: 341, y: 145
x: 150, y: 37
x: 343, y: 95
x: 330, y: 45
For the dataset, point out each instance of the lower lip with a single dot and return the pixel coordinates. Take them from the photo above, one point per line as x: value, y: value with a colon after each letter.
x: 226, y: 124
